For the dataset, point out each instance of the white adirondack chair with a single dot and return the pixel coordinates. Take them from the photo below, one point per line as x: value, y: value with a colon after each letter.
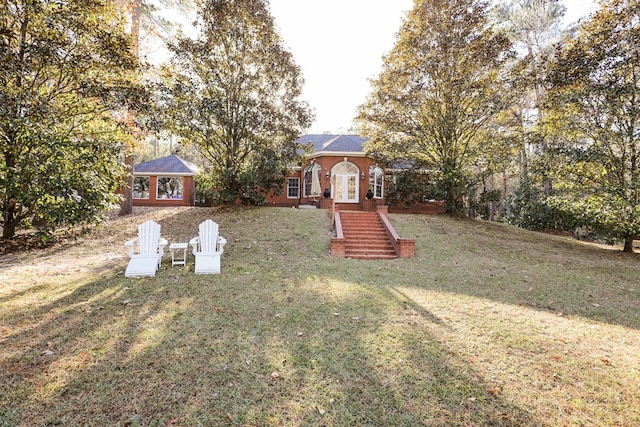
x: 207, y: 247
x: 150, y: 248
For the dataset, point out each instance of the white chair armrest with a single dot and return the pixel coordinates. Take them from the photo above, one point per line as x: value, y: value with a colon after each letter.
x: 221, y: 242
x: 194, y: 244
x: 130, y: 244
x: 161, y: 244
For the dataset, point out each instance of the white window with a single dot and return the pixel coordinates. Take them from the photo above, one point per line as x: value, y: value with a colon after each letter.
x: 141, y: 187
x: 345, y: 182
x: 169, y: 187
x: 293, y: 188
x: 376, y: 179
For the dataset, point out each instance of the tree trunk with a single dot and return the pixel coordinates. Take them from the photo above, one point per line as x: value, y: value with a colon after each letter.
x: 524, y: 164
x: 547, y: 185
x: 504, y: 193
x: 126, y: 205
x: 8, y: 229
x: 136, y: 16
x: 10, y: 222
x: 135, y: 8
x: 492, y: 203
x: 628, y: 244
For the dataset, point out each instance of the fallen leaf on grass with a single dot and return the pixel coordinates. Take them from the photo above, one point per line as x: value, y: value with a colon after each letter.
x: 320, y: 410
x: 595, y: 304
x: 605, y: 361
x: 171, y: 422
x: 275, y: 375
x: 84, y: 356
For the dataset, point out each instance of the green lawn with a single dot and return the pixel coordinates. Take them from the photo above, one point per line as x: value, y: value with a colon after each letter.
x: 486, y: 325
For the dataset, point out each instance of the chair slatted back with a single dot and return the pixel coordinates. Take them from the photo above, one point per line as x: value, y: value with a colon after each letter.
x: 148, y: 237
x: 208, y: 236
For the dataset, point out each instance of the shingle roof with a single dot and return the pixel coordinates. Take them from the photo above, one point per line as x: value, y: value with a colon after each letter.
x: 334, y: 143
x: 321, y: 143
x: 169, y: 164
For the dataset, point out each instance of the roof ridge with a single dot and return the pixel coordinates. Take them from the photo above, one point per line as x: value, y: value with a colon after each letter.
x: 168, y: 164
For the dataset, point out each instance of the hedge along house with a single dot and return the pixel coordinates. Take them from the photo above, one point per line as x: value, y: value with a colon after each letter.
x: 167, y: 181
x: 339, y: 169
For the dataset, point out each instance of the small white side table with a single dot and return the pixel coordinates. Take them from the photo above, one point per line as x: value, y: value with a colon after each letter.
x: 175, y: 246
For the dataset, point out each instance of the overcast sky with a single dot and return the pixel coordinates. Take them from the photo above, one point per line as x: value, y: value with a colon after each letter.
x: 339, y: 46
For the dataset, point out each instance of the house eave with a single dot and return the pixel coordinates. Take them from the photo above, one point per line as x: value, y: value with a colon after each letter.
x: 138, y: 173
x: 337, y: 154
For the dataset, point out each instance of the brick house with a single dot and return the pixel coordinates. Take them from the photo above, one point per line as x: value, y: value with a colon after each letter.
x: 339, y: 169
x: 167, y: 181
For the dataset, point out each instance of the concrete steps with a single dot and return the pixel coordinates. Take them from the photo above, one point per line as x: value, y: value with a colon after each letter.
x: 365, y: 236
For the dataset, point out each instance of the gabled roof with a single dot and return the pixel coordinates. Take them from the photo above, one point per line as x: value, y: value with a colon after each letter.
x: 170, y: 164
x: 324, y: 143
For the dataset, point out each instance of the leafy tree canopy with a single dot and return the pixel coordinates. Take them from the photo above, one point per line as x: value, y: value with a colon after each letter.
x: 595, y: 97
x: 65, y: 68
x: 235, y: 94
x: 439, y: 87
x: 532, y: 24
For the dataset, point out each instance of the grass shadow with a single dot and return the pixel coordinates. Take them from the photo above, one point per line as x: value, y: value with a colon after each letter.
x: 514, y: 266
x: 288, y: 335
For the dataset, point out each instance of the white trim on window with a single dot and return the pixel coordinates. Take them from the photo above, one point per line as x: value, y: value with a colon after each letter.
x: 169, y: 187
x: 141, y: 187
x: 345, y: 183
x: 291, y: 187
x: 376, y: 181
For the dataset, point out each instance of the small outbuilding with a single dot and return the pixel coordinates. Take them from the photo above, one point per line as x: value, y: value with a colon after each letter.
x: 167, y: 181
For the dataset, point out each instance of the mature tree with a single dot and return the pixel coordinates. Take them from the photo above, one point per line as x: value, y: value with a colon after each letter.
x: 534, y: 26
x: 236, y: 96
x: 438, y: 88
x: 143, y: 21
x: 595, y: 93
x: 65, y: 68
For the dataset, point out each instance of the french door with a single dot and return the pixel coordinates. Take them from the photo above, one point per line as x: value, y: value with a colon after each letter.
x: 345, y: 183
